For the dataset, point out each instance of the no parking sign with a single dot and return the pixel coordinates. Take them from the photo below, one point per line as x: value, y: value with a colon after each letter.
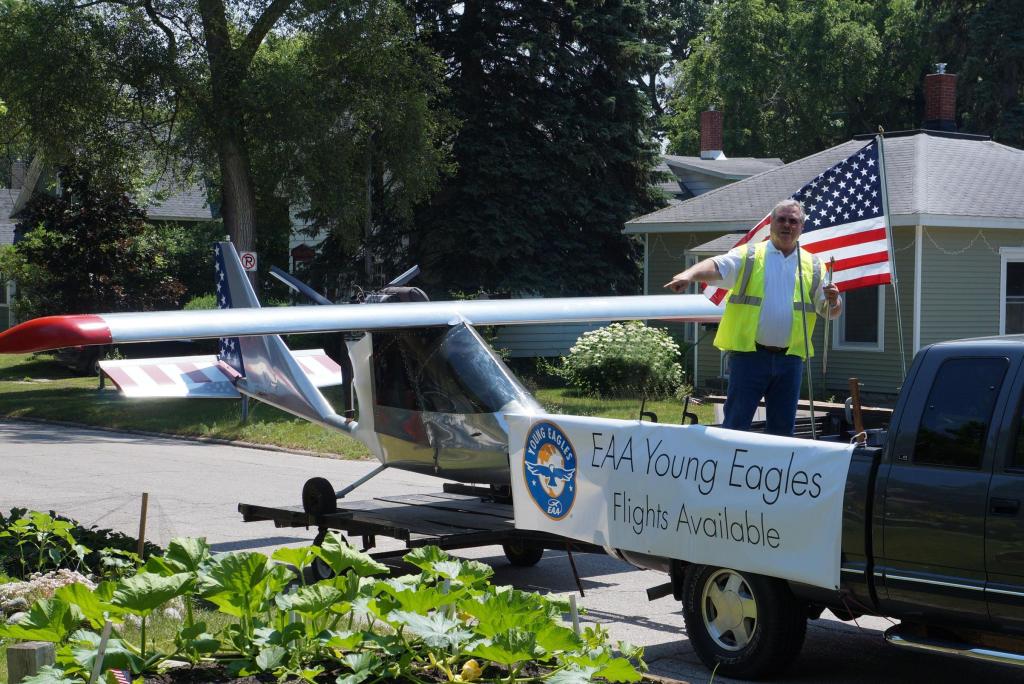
x: 248, y: 260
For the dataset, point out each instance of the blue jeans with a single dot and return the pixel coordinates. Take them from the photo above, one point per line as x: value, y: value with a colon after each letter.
x: 771, y: 375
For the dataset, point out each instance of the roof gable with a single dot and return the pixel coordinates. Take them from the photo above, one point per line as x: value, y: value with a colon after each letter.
x: 928, y: 175
x: 729, y: 168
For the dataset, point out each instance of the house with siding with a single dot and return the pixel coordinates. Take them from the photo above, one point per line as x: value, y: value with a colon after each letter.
x: 178, y: 205
x: 956, y: 213
x: 683, y: 178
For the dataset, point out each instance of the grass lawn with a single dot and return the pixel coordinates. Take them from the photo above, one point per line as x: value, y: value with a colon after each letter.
x: 37, y: 387
x: 571, y: 402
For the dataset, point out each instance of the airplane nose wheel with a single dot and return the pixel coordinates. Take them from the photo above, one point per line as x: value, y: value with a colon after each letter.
x: 318, y: 497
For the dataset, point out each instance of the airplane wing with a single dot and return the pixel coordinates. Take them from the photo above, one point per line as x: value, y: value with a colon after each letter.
x: 203, y: 377
x: 54, y: 332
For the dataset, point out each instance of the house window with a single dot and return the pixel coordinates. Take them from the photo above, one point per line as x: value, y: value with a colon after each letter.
x: 1011, y: 313
x: 861, y: 325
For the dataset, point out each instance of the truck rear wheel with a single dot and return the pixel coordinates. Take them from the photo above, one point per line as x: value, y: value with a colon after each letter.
x: 745, y: 625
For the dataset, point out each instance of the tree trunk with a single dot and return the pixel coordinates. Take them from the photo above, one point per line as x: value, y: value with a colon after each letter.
x: 238, y: 198
x: 228, y: 67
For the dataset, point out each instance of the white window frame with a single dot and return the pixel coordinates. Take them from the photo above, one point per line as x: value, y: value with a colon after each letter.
x: 839, y: 323
x: 1006, y: 256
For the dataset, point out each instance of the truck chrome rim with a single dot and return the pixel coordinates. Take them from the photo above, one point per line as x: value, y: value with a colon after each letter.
x: 729, y: 610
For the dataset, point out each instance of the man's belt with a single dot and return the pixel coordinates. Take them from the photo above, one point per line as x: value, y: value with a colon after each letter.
x: 773, y: 350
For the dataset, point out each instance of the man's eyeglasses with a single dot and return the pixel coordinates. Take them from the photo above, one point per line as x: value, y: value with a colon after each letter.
x: 788, y: 219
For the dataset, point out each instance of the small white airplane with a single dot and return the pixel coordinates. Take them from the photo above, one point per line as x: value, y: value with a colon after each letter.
x: 431, y: 394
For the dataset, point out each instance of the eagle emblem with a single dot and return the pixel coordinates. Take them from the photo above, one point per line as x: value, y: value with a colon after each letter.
x: 549, y: 464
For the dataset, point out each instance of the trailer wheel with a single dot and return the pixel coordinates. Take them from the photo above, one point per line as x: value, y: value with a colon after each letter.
x: 318, y: 497
x: 745, y: 625
x: 318, y: 570
x: 522, y: 554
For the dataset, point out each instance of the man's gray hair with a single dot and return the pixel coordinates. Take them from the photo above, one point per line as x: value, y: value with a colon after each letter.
x: 790, y: 203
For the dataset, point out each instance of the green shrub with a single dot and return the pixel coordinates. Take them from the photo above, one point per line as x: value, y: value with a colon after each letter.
x: 206, y: 301
x: 31, y: 541
x: 624, y: 358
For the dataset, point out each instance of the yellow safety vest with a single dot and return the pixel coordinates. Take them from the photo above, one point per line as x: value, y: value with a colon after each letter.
x: 738, y: 328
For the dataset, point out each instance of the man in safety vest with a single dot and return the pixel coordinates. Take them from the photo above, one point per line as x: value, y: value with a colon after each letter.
x: 773, y: 286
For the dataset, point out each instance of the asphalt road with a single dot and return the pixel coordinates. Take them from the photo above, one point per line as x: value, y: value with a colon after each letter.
x: 194, y: 489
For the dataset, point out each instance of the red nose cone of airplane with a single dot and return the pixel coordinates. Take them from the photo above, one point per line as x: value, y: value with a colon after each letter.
x: 54, y: 332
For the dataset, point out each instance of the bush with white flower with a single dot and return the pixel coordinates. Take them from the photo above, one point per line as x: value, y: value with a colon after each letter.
x: 624, y: 359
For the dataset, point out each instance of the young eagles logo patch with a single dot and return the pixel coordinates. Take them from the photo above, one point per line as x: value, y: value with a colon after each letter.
x: 549, y: 464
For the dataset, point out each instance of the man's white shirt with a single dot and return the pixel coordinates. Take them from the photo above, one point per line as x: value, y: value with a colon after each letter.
x: 776, y: 317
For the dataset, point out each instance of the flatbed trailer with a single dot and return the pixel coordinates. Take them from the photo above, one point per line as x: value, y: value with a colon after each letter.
x: 458, y: 517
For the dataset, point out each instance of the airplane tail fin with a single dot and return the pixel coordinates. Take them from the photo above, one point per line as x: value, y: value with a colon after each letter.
x: 234, y: 291
x: 267, y: 369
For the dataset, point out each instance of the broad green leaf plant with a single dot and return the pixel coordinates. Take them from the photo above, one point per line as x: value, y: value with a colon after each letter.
x: 446, y: 622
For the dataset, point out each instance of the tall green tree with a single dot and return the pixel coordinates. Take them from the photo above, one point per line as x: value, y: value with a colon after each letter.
x: 663, y: 44
x: 983, y: 42
x: 110, y: 82
x: 553, y: 153
x: 358, y: 179
x: 794, y: 77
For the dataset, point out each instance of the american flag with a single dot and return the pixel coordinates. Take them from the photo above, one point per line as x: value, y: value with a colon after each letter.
x: 844, y: 220
x: 228, y: 350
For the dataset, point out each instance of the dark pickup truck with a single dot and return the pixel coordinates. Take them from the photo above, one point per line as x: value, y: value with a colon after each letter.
x: 933, y: 532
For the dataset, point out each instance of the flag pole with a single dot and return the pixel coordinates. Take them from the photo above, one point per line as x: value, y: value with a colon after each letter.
x: 808, y: 368
x: 892, y: 252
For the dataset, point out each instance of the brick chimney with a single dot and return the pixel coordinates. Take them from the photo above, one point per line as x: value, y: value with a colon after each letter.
x: 940, y: 100
x: 711, y: 134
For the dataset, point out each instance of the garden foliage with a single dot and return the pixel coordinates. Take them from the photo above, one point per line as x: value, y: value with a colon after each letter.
x: 33, y: 542
x: 444, y: 623
x: 624, y: 359
x: 89, y: 250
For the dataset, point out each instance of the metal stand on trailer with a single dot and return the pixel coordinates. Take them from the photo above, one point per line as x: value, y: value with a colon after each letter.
x: 458, y: 517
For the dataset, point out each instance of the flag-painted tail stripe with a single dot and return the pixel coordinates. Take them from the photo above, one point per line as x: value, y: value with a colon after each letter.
x: 185, y: 376
x: 194, y: 373
x: 203, y: 376
x: 318, y: 367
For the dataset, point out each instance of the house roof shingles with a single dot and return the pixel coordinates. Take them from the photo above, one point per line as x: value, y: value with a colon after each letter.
x: 181, y: 204
x: 927, y: 175
x: 735, y: 167
x: 188, y: 204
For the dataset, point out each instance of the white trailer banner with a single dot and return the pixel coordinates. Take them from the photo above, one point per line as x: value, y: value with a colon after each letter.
x: 760, y: 503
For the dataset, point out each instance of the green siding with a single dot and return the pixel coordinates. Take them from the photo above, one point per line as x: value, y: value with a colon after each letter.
x: 960, y: 282
x: 548, y: 339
